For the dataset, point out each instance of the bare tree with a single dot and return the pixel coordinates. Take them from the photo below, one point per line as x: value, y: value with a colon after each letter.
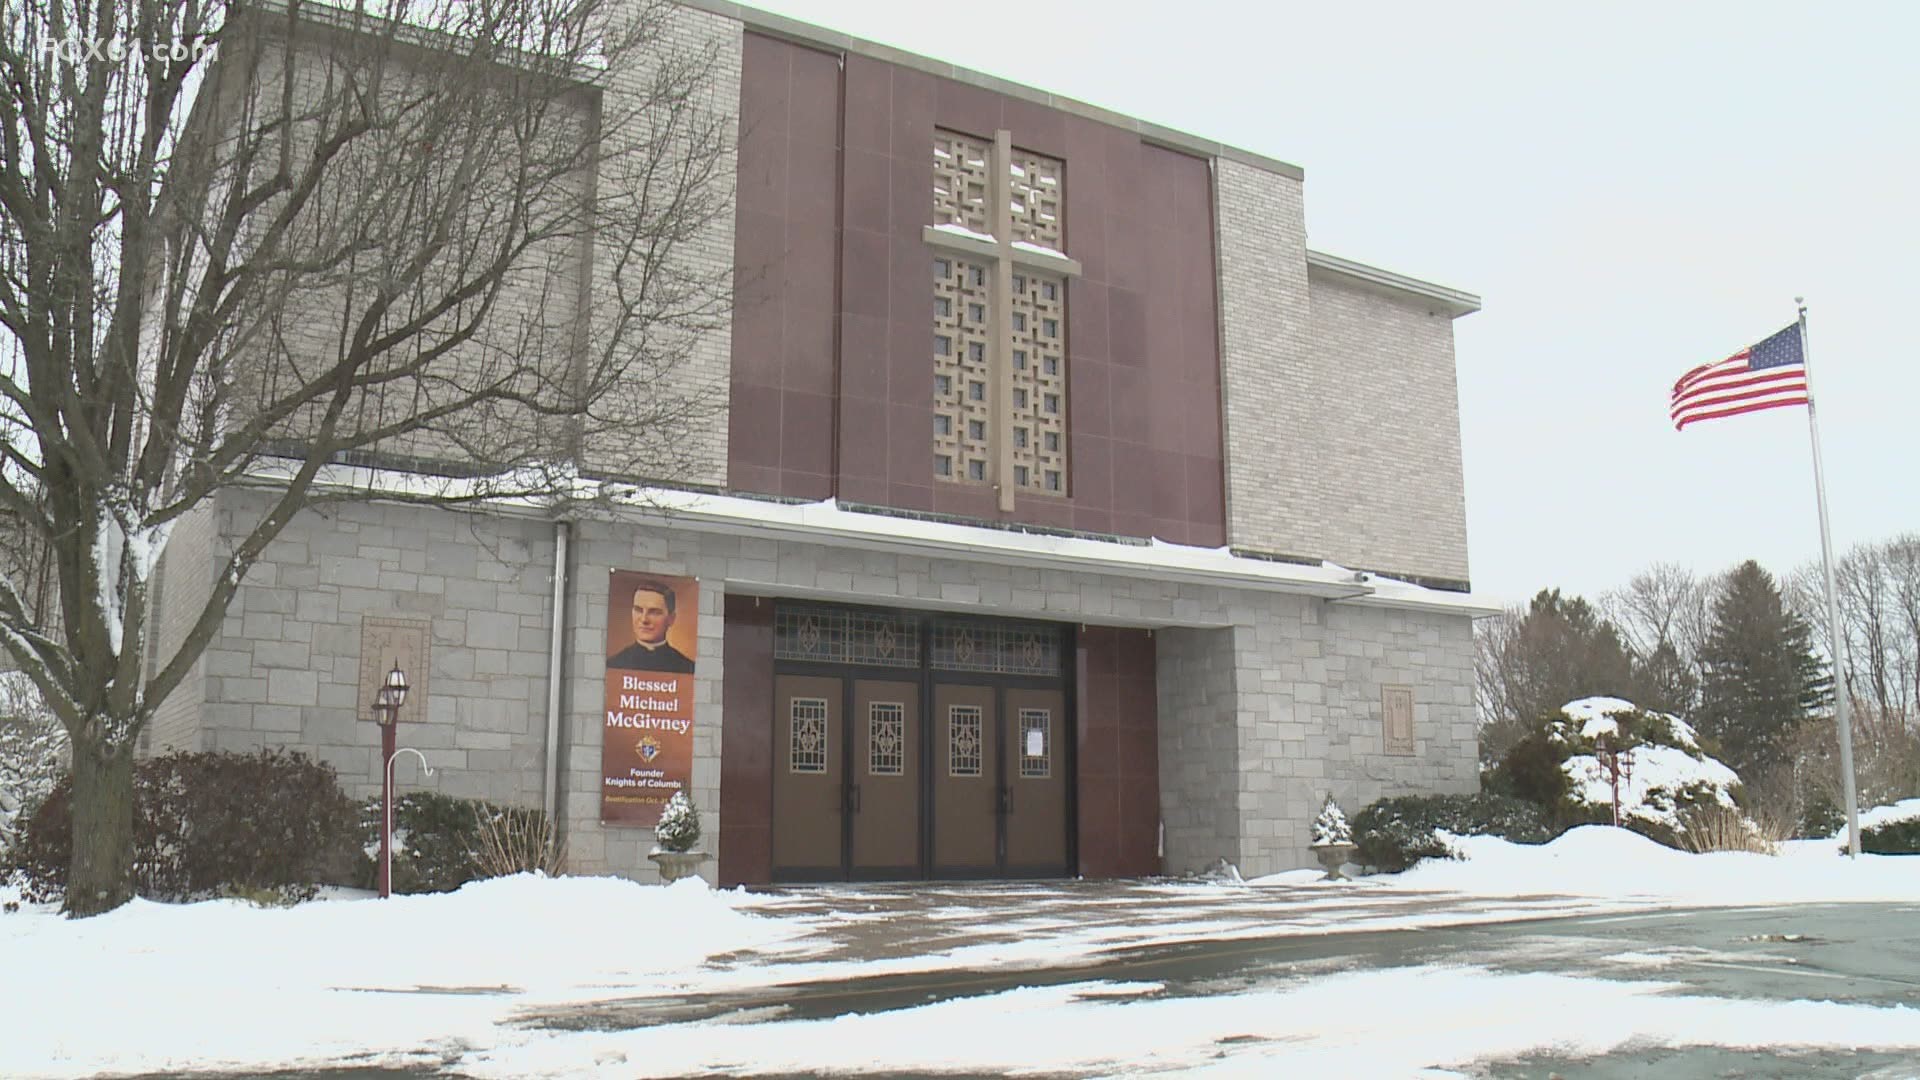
x: 1663, y: 614
x: 1495, y: 683
x: 469, y: 242
x: 1666, y: 602
x: 1878, y: 589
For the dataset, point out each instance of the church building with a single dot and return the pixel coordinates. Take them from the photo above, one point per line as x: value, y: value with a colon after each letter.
x: 1066, y: 516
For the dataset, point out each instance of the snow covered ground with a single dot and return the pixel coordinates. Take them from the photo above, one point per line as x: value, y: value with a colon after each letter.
x: 442, y: 980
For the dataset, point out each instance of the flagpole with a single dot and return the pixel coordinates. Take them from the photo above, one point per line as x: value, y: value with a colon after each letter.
x: 1840, y: 703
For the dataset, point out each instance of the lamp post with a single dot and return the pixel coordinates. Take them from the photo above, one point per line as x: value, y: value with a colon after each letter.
x: 386, y: 709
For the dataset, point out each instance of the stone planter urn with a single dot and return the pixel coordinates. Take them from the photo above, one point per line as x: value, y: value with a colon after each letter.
x: 675, y: 865
x: 1332, y: 857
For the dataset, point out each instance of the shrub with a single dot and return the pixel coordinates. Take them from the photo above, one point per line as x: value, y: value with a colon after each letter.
x: 33, y: 756
x: 441, y: 842
x: 1716, y: 827
x: 1820, y: 819
x: 1893, y: 838
x: 679, y: 827
x: 516, y: 841
x: 1531, y: 772
x: 210, y: 824
x: 1393, y: 834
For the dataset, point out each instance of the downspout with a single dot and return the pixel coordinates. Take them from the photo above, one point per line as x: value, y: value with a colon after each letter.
x: 556, y: 664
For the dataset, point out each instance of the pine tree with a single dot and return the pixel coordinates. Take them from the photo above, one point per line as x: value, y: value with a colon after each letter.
x: 1560, y: 650
x: 1664, y: 682
x: 679, y: 827
x: 1760, y: 677
x: 1331, y: 826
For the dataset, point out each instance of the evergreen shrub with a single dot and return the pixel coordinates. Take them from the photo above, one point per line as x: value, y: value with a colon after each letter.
x: 1893, y: 838
x: 679, y: 827
x: 1393, y: 834
x: 210, y: 824
x: 441, y: 842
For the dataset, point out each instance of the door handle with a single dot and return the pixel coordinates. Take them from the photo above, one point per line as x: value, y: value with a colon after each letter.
x: 853, y: 798
x: 1005, y: 799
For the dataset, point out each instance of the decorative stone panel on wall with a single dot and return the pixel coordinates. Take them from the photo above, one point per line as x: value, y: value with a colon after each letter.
x: 386, y: 643
x: 1396, y: 719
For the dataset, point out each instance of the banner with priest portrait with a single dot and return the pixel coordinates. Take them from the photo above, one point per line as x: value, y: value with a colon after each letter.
x: 646, y: 750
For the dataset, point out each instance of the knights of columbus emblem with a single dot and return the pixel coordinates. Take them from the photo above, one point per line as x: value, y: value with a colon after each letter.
x: 649, y: 749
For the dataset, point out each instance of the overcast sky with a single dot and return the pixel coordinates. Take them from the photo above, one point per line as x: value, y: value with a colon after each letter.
x: 1632, y: 189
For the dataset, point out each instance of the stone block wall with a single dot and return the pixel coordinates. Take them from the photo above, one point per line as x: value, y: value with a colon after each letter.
x: 185, y: 580
x: 1266, y: 701
x: 1310, y: 676
x: 1199, y: 746
x: 285, y: 669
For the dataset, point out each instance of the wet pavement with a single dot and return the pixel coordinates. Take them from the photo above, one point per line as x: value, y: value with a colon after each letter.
x: 922, y: 944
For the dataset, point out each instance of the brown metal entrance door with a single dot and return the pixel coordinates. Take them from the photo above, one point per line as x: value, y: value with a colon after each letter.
x: 964, y: 730
x: 1036, y: 781
x: 885, y: 792
x: 807, y: 776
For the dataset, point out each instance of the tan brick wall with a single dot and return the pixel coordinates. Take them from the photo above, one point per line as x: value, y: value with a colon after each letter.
x: 666, y: 419
x: 186, y: 580
x: 1343, y: 420
x: 1390, y: 491
x: 693, y: 446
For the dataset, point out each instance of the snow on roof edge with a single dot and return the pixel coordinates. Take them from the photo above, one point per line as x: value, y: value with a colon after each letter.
x: 827, y: 522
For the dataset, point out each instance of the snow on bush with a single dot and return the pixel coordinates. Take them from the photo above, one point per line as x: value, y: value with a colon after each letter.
x: 1331, y: 826
x: 33, y: 754
x: 1891, y: 814
x: 1666, y: 771
x: 679, y: 827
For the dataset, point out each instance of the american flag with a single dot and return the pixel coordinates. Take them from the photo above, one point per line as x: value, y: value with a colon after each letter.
x: 1764, y: 376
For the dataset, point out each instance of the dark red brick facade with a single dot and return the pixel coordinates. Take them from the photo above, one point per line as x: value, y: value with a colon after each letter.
x: 832, y: 380
x: 832, y: 348
x: 1119, y: 754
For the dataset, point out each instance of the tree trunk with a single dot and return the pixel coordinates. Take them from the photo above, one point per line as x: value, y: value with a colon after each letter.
x: 101, y: 877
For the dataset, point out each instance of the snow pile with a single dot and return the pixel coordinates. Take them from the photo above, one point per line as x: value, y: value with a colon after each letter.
x: 1904, y: 810
x: 327, y: 977
x: 1602, y: 861
x: 1665, y: 768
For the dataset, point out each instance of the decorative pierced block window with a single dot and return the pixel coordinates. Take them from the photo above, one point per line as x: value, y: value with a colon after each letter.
x: 808, y: 752
x: 961, y: 406
x: 1040, y: 386
x: 963, y: 740
x: 960, y: 181
x: 1036, y: 200
x: 886, y: 738
x: 1000, y: 271
x: 1036, y: 744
